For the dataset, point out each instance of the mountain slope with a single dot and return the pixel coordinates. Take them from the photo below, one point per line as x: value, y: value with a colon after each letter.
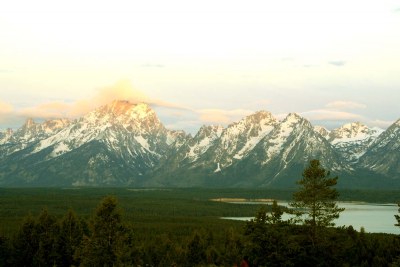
x: 121, y: 140
x: 322, y: 131
x: 240, y: 138
x: 30, y: 133
x: 214, y: 149
x: 383, y: 155
x: 279, y: 157
x: 352, y: 140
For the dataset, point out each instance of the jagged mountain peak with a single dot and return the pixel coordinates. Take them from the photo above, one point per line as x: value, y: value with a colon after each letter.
x: 353, y: 140
x: 354, y: 128
x: 118, y: 107
x: 259, y: 115
x: 353, y: 132
x: 134, y: 117
x: 56, y: 123
x: 32, y: 130
x: 256, y: 122
x: 6, y: 135
x: 125, y: 108
x: 322, y: 131
x: 239, y: 138
x: 29, y: 123
x: 292, y: 118
x: 207, y: 130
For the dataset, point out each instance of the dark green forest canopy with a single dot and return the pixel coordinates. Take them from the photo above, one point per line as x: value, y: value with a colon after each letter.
x: 168, y: 226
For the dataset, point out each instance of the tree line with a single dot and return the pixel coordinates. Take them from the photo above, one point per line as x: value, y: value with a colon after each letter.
x: 309, y: 238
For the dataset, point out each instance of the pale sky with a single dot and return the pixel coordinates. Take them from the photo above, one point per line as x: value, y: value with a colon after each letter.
x: 202, y: 62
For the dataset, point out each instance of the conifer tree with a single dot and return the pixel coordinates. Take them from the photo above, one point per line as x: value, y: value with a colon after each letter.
x: 47, y: 231
x: 26, y: 243
x: 196, y: 250
x: 315, y: 202
x: 4, y: 251
x: 72, y: 230
x: 110, y: 241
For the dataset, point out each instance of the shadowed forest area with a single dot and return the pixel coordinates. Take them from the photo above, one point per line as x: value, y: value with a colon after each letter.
x: 182, y: 227
x: 106, y: 239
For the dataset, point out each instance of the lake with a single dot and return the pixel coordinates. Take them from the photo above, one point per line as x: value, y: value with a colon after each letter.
x: 375, y: 218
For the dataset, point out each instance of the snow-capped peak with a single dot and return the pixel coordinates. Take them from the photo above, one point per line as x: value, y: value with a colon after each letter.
x: 353, y: 139
x: 322, y: 131
x: 134, y: 123
x: 119, y: 112
x: 118, y: 107
x: 291, y: 120
x: 351, y: 132
x: 293, y: 117
x: 125, y: 108
x: 240, y: 138
x: 204, y: 139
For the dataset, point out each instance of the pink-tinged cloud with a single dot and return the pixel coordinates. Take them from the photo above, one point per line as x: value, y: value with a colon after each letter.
x: 5, y: 108
x: 48, y: 110
x: 345, y: 105
x: 122, y: 90
x: 224, y: 117
x: 330, y: 115
x: 6, y: 112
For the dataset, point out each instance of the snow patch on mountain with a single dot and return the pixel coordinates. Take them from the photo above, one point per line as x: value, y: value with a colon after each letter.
x: 59, y: 149
x: 203, y: 140
x: 143, y: 142
x: 279, y: 136
x: 322, y: 131
x: 353, y: 139
x: 240, y: 138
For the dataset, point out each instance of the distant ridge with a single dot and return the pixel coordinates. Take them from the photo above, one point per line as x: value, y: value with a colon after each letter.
x: 125, y: 144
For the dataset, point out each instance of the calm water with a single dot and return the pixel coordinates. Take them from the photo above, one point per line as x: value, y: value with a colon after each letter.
x: 377, y: 218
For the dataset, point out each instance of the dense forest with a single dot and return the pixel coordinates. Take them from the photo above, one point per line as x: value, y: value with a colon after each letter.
x: 169, y: 228
x: 106, y: 240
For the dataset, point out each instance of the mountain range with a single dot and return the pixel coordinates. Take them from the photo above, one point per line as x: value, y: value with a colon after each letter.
x: 125, y: 144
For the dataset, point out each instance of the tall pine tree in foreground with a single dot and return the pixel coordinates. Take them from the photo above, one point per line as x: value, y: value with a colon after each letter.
x: 110, y: 241
x: 315, y: 203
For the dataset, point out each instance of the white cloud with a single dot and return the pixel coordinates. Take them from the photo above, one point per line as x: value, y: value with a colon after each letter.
x: 345, y: 105
x: 330, y: 115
